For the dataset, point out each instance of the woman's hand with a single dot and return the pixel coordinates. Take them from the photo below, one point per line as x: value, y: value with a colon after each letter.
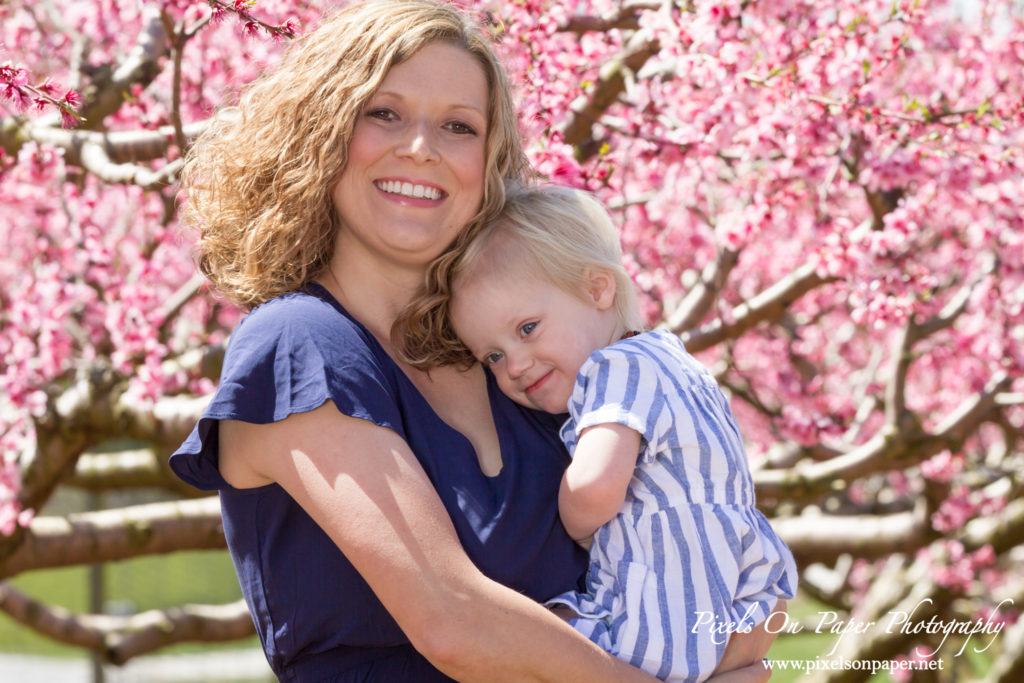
x: 753, y: 673
x: 743, y: 660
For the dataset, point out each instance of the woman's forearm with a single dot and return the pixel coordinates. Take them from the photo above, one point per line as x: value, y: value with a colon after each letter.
x: 502, y: 635
x: 492, y: 633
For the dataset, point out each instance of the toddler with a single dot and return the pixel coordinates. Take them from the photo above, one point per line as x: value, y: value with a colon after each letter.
x: 680, y: 556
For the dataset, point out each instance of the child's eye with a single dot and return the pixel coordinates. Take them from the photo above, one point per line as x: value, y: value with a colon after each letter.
x: 526, y: 329
x: 492, y: 358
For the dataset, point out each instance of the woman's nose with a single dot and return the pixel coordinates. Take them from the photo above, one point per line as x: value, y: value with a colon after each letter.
x: 420, y: 144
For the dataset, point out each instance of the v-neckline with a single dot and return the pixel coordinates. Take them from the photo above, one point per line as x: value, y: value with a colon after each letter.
x: 318, y: 290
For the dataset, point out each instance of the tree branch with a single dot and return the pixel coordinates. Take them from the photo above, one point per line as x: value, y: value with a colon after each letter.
x: 913, y: 592
x: 787, y: 453
x: 94, y: 159
x: 91, y: 410
x: 168, y: 421
x: 140, y: 67
x: 897, y: 414
x: 180, y: 37
x: 156, y: 629
x: 769, y: 305
x: 206, y: 361
x: 103, y: 97
x: 889, y: 449
x: 119, y: 638
x: 882, y: 203
x: 1003, y: 531
x: 895, y: 403
x: 117, y: 534
x: 627, y: 17
x: 578, y: 130
x: 73, y: 422
x: 185, y: 293
x: 701, y: 297
x: 129, y: 469
x: 118, y: 146
x: 1009, y: 665
x: 822, y: 538
x: 828, y: 585
x: 924, y: 600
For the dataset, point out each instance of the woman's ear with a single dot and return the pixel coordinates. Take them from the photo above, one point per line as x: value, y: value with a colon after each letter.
x: 600, y: 287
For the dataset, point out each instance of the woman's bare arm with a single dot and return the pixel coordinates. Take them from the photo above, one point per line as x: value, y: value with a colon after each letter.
x: 365, y: 488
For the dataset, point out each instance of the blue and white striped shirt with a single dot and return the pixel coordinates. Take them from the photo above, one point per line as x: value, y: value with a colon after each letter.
x: 688, y: 558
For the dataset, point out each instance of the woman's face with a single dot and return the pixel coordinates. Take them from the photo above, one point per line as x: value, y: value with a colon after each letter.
x: 415, y: 171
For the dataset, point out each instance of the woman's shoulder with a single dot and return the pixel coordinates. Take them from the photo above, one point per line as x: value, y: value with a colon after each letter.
x: 303, y: 309
x: 302, y: 320
x: 292, y: 353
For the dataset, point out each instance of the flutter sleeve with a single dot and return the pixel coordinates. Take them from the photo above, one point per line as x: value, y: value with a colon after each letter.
x: 620, y: 386
x: 288, y: 356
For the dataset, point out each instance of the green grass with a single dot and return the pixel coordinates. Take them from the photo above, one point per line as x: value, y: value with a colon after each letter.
x: 156, y: 582
x: 131, y: 586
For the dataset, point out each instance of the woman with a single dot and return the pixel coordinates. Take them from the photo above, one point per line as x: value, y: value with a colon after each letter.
x: 384, y: 136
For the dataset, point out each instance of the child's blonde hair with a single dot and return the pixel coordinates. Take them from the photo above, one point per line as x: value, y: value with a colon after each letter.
x: 553, y: 233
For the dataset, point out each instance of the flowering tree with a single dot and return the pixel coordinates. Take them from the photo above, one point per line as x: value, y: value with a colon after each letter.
x: 824, y: 199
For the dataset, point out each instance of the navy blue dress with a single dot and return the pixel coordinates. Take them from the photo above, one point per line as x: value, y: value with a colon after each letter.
x: 316, y: 617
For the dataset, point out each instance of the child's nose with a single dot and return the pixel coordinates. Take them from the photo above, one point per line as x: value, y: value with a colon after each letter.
x: 518, y: 363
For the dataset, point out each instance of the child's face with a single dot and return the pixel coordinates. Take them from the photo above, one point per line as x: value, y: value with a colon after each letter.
x: 532, y: 335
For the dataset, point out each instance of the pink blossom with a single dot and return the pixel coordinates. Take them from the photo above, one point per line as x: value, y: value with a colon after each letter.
x: 955, y: 568
x: 875, y: 144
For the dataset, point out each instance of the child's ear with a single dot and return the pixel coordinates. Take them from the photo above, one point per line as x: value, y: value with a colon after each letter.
x: 600, y: 285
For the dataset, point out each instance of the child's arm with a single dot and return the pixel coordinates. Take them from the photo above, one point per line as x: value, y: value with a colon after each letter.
x: 594, y: 486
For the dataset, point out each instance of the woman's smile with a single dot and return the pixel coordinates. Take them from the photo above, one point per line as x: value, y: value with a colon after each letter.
x: 410, y: 190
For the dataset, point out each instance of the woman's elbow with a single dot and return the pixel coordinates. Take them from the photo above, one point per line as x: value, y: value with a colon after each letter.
x: 450, y: 653
x: 448, y: 639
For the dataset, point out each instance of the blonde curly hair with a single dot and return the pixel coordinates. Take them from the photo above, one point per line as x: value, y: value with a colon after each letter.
x: 258, y: 181
x: 552, y: 233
